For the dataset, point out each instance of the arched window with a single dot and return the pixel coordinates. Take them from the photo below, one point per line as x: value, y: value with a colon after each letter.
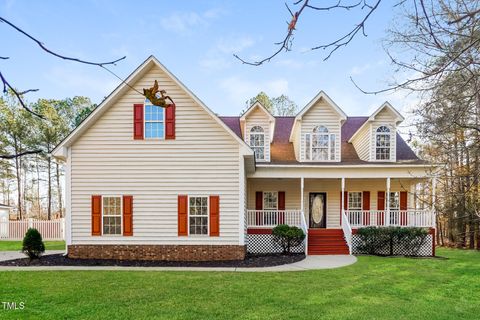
x: 154, y: 121
x: 320, y: 144
x: 257, y: 142
x: 382, y: 143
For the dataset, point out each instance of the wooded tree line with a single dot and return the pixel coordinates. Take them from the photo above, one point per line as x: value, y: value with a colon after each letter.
x: 31, y: 180
x: 440, y: 53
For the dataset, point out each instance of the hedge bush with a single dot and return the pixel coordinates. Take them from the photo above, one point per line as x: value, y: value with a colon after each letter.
x: 288, y: 237
x: 33, y: 245
x: 384, y: 240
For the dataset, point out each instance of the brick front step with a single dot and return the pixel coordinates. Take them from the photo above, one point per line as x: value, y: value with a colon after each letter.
x: 326, y: 241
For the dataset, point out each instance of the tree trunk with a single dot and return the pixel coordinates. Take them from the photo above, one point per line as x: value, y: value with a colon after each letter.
x: 59, y: 189
x: 49, y: 192
x: 19, y: 181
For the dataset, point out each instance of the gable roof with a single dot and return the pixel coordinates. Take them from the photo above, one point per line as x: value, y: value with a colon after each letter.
x: 282, y: 150
x: 138, y: 73
x: 320, y: 95
x: 386, y: 105
x: 257, y: 104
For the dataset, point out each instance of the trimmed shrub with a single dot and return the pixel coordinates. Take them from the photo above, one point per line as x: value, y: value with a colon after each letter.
x: 288, y: 237
x: 391, y: 240
x: 33, y: 245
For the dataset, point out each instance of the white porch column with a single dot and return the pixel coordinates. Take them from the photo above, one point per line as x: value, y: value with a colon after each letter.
x: 343, y: 197
x: 302, y: 184
x: 387, y: 204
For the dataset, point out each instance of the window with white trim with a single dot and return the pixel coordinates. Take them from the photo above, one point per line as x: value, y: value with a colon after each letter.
x: 354, y: 201
x: 257, y: 142
x: 320, y: 145
x: 154, y: 121
x: 198, y: 215
x: 112, y: 215
x: 270, y: 200
x: 394, y: 200
x: 382, y: 143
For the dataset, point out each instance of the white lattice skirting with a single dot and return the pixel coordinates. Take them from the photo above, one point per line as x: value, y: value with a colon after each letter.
x: 425, y: 250
x: 263, y: 243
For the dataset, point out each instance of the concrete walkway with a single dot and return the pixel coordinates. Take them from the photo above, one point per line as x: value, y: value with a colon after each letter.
x: 10, y: 255
x: 309, y: 263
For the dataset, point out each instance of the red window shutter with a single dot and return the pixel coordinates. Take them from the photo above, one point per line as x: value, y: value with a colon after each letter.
x: 366, y: 200
x: 138, y: 121
x: 281, y: 206
x: 366, y: 206
x: 259, y: 206
x: 96, y: 215
x: 403, y: 207
x: 170, y: 122
x: 182, y: 215
x: 403, y: 200
x: 381, y: 207
x: 128, y: 215
x: 381, y: 200
x: 214, y: 216
x: 259, y: 200
x: 281, y: 200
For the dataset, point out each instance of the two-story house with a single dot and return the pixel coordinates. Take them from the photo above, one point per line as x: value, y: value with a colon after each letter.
x: 182, y: 183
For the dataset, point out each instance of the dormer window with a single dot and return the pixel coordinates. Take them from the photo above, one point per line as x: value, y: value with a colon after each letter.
x: 257, y: 142
x: 154, y: 121
x: 320, y: 145
x: 382, y: 143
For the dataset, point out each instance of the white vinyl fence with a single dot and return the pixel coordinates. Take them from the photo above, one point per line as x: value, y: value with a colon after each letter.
x: 16, y: 229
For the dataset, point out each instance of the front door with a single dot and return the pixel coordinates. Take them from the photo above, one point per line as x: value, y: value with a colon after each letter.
x: 318, y: 210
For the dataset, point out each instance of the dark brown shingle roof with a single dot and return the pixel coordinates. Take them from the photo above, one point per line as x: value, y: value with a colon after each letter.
x: 282, y: 151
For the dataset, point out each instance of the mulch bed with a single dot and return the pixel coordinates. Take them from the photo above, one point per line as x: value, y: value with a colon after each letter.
x: 251, y: 261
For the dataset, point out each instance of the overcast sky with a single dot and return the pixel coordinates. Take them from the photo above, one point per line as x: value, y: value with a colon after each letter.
x: 195, y: 40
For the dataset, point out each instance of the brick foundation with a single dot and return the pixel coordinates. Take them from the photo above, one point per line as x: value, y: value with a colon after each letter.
x: 158, y: 252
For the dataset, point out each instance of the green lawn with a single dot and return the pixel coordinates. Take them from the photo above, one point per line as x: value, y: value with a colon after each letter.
x: 17, y: 246
x: 373, y: 288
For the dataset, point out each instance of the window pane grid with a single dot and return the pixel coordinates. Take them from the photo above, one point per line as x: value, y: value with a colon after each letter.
x: 198, y: 215
x: 154, y: 121
x: 257, y: 142
x: 382, y: 143
x: 354, y: 201
x: 270, y: 200
x: 112, y: 215
x: 320, y: 144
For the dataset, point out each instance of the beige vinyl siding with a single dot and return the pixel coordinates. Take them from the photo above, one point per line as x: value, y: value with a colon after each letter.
x: 362, y: 143
x: 320, y: 114
x: 290, y: 186
x: 202, y: 160
x: 384, y: 118
x: 258, y: 118
x: 296, y: 142
x: 332, y: 187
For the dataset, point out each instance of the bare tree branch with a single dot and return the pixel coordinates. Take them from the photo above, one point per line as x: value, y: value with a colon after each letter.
x: 287, y: 41
x: 18, y: 155
x: 6, y: 85
x: 347, y: 38
x: 41, y: 45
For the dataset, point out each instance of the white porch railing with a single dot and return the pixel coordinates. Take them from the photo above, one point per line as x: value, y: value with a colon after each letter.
x: 383, y: 218
x: 304, y: 227
x: 272, y: 218
x: 16, y: 229
x: 347, y: 231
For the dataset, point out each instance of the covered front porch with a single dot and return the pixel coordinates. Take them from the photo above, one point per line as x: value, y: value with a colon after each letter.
x: 341, y: 205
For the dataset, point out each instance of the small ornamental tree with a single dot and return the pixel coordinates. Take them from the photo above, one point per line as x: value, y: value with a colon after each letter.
x: 287, y: 237
x: 33, y: 245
